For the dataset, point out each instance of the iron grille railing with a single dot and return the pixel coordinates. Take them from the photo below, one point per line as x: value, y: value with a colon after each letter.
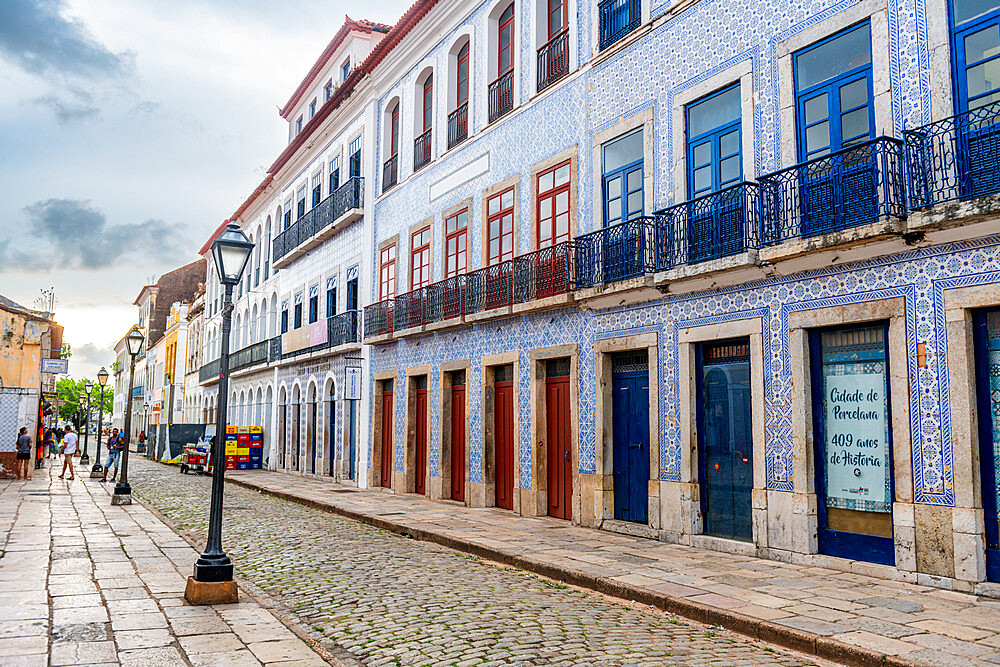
x: 379, y: 318
x: 445, y: 299
x: 249, y: 355
x: 307, y: 225
x: 421, y: 150
x: 553, y: 60
x: 323, y: 215
x: 619, y: 252
x: 957, y: 158
x: 489, y: 287
x: 544, y: 273
x: 501, y: 95
x: 617, y: 18
x: 718, y: 225
x: 274, y: 349
x: 210, y: 371
x: 855, y: 186
x: 278, y: 246
x: 458, y: 125
x: 390, y: 172
x: 349, y: 196
x: 409, y: 310
x: 342, y: 328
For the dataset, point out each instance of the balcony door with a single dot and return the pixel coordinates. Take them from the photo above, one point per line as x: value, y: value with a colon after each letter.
x: 976, y: 61
x: 834, y: 111
x: 987, y: 338
x: 715, y: 162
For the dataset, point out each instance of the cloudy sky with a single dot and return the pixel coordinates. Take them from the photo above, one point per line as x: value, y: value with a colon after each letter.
x: 129, y: 129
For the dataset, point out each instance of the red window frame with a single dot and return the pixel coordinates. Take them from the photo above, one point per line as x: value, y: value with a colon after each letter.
x: 420, y: 258
x: 552, y: 206
x: 462, y: 76
x: 500, y: 226
x: 428, y: 102
x: 456, y: 244
x: 557, y: 7
x: 506, y: 21
x: 387, y: 273
x: 394, y: 131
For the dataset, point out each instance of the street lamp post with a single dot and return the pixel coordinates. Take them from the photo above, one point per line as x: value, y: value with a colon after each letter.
x: 88, y: 387
x: 98, y: 469
x: 123, y: 492
x: 213, y: 582
x: 80, y: 399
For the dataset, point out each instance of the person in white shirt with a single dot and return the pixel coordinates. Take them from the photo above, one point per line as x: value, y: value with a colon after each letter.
x: 68, y: 451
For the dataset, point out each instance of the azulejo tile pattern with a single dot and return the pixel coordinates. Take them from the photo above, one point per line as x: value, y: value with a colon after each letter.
x: 919, y: 277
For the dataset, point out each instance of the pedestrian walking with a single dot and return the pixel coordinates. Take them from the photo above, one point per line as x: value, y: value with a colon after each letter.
x: 68, y: 451
x: 23, y: 466
x: 116, y: 443
x: 49, y: 443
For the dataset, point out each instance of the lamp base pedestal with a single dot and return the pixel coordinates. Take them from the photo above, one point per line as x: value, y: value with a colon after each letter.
x: 121, y: 499
x: 211, y: 592
x: 84, y: 460
x: 97, y: 471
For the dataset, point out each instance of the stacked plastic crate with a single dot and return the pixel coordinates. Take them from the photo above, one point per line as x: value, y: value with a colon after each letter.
x: 243, y: 448
x: 256, y: 448
x: 232, y: 444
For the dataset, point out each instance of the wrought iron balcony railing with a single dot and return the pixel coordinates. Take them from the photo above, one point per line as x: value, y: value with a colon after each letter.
x: 501, y: 95
x: 390, y: 173
x: 622, y: 251
x: 210, y: 371
x: 342, y: 328
x: 421, y: 150
x: 855, y: 186
x: 537, y: 275
x: 379, y: 318
x: 274, y: 349
x: 718, y: 225
x: 249, y: 356
x: 458, y: 125
x: 617, y: 18
x: 957, y: 158
x: 553, y: 60
x: 347, y: 197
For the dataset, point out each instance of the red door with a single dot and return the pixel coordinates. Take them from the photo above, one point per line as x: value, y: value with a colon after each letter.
x: 560, y: 474
x: 420, y: 455
x: 458, y: 442
x: 504, y: 438
x: 386, y: 438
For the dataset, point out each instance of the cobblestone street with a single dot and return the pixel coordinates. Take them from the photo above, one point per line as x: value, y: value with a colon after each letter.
x: 392, y: 600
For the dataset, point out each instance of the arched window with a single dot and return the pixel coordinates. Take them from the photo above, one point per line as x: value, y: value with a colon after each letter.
x: 462, y: 73
x: 390, y: 168
x: 505, y: 41
x: 423, y: 121
x: 502, y: 53
x: 458, y: 118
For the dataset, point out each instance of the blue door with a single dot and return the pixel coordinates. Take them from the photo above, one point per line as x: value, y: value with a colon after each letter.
x: 834, y: 111
x: 725, y: 438
x: 352, y: 438
x: 624, y: 247
x: 987, y: 338
x: 853, y: 440
x: 976, y: 60
x: 630, y: 426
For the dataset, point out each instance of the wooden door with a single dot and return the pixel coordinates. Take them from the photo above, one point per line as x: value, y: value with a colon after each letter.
x: 630, y: 429
x: 559, y: 457
x: 386, y: 467
x: 458, y: 442
x: 420, y: 445
x: 503, y: 429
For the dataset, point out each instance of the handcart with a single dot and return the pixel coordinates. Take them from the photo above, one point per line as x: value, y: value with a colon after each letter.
x: 197, y: 458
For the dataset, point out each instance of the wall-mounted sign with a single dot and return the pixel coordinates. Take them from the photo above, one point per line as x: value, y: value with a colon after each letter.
x: 60, y: 366
x: 352, y: 383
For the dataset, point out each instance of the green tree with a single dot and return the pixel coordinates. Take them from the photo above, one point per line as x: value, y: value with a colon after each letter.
x: 66, y: 352
x: 69, y: 391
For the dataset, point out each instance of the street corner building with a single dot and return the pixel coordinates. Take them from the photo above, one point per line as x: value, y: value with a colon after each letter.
x: 30, y: 358
x: 712, y: 272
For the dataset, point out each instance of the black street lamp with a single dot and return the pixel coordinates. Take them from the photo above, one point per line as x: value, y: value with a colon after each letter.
x: 213, y: 582
x: 123, y: 492
x: 88, y: 387
x: 98, y: 469
x: 79, y: 410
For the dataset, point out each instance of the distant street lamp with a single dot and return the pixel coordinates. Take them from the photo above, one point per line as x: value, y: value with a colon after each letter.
x: 133, y: 344
x: 88, y: 387
x: 213, y: 582
x: 98, y: 469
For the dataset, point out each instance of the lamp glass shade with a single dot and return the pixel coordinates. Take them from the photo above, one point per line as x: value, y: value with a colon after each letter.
x: 231, y: 251
x: 102, y: 376
x: 82, y: 397
x: 134, y: 341
x: 88, y: 387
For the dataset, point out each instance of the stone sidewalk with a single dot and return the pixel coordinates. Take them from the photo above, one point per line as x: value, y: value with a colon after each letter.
x: 842, y: 616
x: 82, y: 582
